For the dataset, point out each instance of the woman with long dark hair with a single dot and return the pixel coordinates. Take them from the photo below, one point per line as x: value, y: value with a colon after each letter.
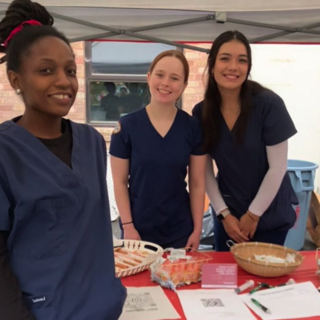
x: 245, y: 130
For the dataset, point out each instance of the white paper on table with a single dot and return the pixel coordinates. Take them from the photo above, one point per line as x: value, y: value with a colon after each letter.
x: 147, y: 303
x: 213, y: 304
x: 301, y: 300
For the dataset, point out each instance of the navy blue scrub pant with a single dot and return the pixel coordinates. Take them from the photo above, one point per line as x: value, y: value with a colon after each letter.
x: 176, y: 244
x: 221, y: 237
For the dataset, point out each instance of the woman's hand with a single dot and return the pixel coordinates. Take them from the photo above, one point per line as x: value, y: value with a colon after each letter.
x: 248, y: 224
x: 130, y: 232
x: 232, y: 228
x: 194, y: 240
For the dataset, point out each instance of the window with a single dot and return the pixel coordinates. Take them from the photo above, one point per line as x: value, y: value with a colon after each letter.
x: 110, y: 100
x: 116, y: 78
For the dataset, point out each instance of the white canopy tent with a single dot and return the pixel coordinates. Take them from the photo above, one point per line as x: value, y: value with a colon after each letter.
x: 168, y: 21
x: 177, y: 22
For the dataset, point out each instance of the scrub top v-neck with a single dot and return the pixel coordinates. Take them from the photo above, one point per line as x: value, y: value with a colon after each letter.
x: 60, y: 243
x: 242, y: 166
x: 61, y: 146
x: 159, y: 200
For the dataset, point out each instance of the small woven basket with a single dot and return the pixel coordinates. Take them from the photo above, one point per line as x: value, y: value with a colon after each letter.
x: 151, y: 250
x: 244, y: 255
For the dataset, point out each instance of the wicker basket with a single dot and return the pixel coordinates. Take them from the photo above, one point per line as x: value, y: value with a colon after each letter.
x: 154, y: 251
x: 244, y: 255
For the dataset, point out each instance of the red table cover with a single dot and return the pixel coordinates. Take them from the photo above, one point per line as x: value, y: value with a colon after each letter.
x: 306, y: 272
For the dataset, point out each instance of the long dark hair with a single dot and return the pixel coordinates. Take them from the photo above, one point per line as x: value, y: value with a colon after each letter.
x: 18, y: 12
x: 211, y: 114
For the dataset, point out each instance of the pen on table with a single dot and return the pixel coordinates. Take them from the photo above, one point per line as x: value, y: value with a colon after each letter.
x: 260, y: 286
x: 268, y: 286
x: 265, y: 285
x: 290, y: 281
x: 262, y: 307
x: 255, y: 289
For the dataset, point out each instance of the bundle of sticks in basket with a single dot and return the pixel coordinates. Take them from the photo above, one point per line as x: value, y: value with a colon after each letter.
x: 125, y: 259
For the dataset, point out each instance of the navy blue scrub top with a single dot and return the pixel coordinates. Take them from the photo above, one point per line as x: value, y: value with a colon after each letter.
x: 242, y: 167
x: 160, y: 204
x: 60, y: 244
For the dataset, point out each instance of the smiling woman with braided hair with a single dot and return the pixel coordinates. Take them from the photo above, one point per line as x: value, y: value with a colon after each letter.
x: 56, y: 253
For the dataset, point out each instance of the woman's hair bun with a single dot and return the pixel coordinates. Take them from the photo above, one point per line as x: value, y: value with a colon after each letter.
x: 20, y: 11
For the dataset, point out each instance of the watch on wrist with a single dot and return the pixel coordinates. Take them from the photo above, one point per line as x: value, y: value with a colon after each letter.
x: 223, y: 214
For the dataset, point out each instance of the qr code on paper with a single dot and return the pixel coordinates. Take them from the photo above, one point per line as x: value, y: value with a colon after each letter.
x: 139, y: 301
x: 212, y: 303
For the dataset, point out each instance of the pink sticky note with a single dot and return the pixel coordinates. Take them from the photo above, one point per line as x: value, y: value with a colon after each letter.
x: 219, y: 275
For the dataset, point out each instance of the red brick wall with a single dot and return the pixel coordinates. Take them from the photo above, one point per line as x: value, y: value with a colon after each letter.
x: 12, y: 106
x: 196, y: 85
x: 78, y: 111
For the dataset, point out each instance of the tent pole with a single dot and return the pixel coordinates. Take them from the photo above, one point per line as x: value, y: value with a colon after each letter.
x: 272, y: 26
x: 283, y: 33
x: 145, y: 28
x: 171, y: 43
x: 85, y: 23
x: 172, y: 24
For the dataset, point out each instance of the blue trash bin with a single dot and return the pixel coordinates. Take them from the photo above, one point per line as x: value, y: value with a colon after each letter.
x: 302, y: 179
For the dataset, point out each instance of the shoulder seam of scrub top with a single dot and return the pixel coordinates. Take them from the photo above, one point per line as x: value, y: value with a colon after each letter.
x: 6, y: 125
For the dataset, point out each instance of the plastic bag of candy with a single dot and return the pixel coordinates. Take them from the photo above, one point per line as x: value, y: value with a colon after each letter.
x: 178, y: 267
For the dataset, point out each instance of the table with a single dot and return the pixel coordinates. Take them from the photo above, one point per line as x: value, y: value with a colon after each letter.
x: 305, y: 272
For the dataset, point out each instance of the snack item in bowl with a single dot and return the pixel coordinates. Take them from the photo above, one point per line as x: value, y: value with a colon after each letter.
x: 125, y: 259
x: 133, y: 256
x: 290, y: 258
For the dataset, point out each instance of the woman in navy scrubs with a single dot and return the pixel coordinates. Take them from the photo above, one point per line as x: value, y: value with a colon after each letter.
x: 245, y: 130
x: 56, y: 252
x: 151, y: 150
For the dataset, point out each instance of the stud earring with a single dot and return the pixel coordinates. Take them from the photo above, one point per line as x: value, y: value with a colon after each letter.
x: 18, y: 91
